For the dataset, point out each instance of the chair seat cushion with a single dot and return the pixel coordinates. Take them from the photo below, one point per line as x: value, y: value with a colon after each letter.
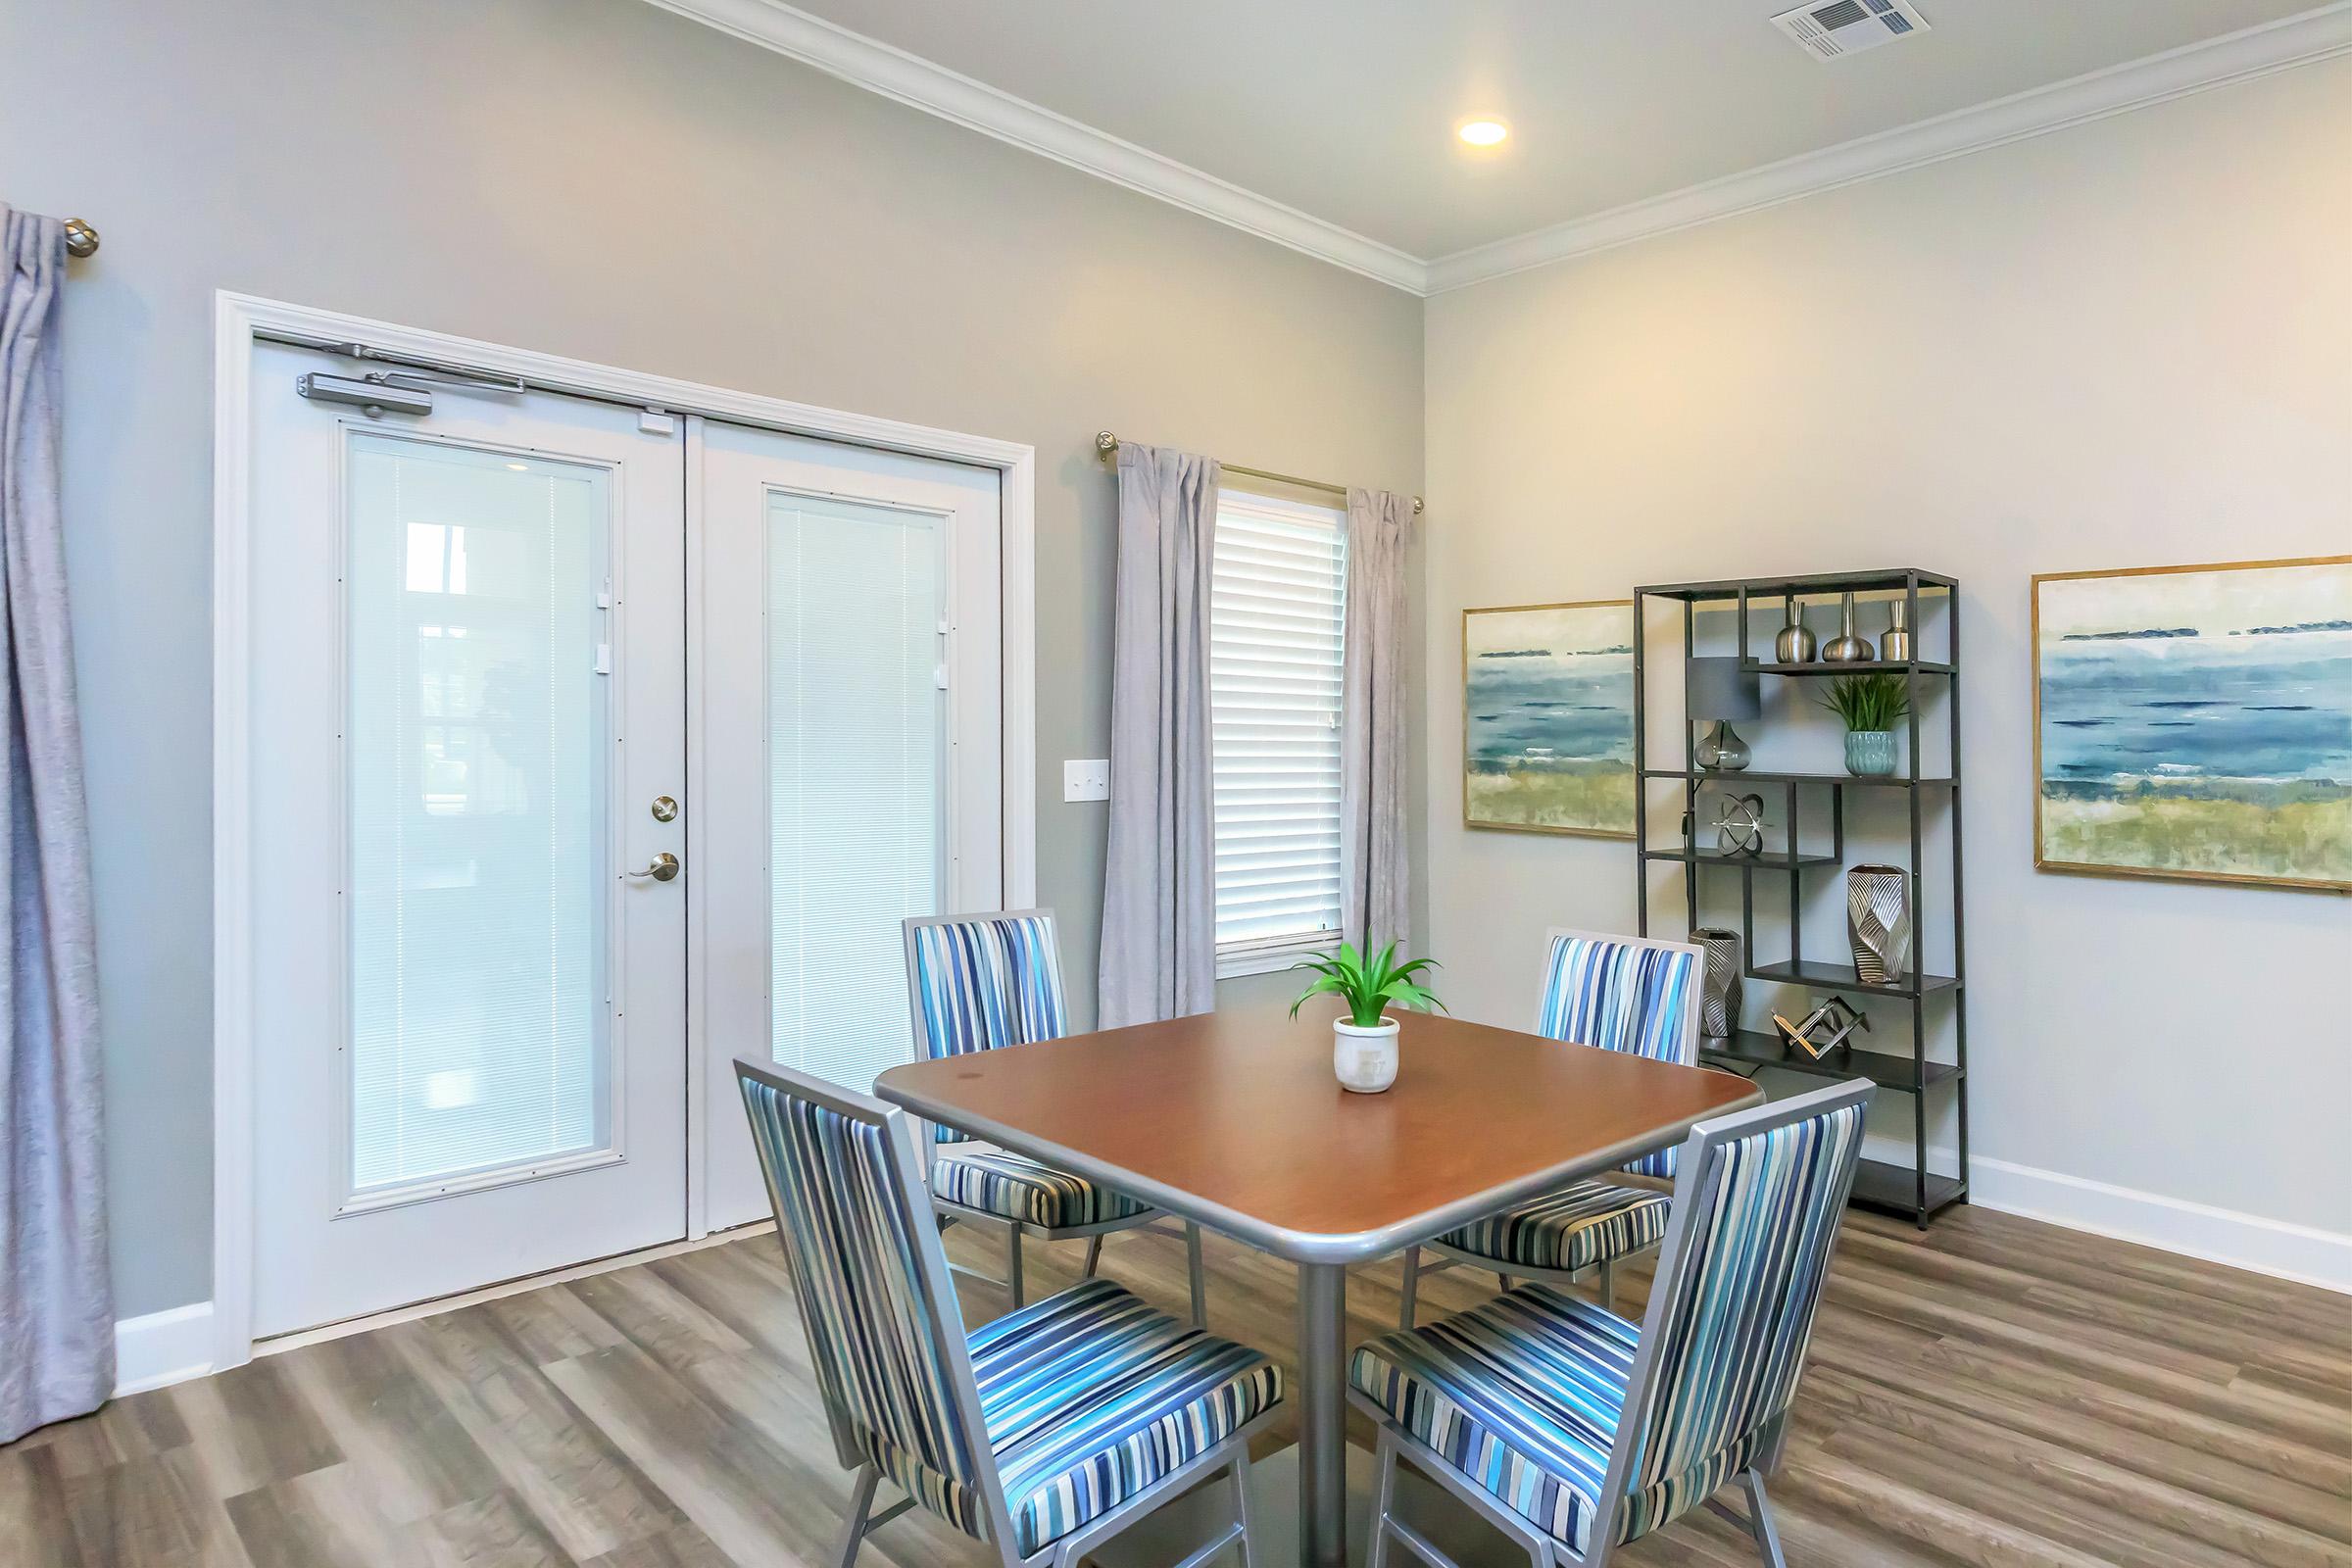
x: 1575, y: 1228
x: 1521, y: 1394
x: 1091, y: 1396
x: 1011, y: 1186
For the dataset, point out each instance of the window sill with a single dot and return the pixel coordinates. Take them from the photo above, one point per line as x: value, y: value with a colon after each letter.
x: 1258, y: 959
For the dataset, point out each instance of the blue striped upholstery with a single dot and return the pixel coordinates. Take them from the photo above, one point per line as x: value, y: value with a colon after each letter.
x: 852, y: 1240
x: 988, y: 981
x: 1735, y: 1334
x: 1521, y: 1394
x: 1525, y: 1397
x: 1015, y: 1187
x: 1090, y: 1396
x: 1622, y: 996
x: 1571, y: 1230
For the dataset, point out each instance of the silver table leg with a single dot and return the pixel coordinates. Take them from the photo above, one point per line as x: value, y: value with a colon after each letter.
x: 1322, y: 1415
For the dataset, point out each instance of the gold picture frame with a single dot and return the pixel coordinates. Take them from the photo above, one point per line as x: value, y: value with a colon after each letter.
x: 1571, y: 780
x: 2225, y: 806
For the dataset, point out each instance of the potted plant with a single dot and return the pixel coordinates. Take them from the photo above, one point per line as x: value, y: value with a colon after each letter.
x: 1363, y: 1047
x: 1871, y: 706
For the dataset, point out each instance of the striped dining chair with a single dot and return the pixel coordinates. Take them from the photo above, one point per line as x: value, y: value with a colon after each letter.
x: 1634, y: 994
x: 1044, y: 1433
x: 975, y: 982
x: 1573, y: 1432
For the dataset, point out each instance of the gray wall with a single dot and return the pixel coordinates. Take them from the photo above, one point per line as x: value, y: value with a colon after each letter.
x: 597, y: 178
x: 2125, y: 344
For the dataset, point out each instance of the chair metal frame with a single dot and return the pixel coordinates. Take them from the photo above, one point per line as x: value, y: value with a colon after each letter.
x: 938, y: 1302
x: 1606, y: 1284
x: 1693, y: 1208
x: 1196, y: 1271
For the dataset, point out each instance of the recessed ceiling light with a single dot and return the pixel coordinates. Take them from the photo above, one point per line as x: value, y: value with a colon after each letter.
x: 1483, y: 133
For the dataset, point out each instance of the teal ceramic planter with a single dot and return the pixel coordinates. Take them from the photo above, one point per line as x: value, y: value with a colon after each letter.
x: 1869, y: 752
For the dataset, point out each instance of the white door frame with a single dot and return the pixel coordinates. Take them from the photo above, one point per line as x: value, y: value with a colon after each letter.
x: 239, y: 321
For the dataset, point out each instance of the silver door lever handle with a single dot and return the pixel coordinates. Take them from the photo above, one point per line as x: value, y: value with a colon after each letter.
x: 665, y: 867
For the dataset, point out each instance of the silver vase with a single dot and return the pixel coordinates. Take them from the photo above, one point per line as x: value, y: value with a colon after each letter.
x: 1847, y: 647
x: 1878, y: 920
x: 1895, y: 646
x: 1719, y: 983
x: 1795, y: 644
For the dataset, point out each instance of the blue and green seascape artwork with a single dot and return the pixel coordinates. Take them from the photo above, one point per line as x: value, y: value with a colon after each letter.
x: 2197, y: 723
x: 1549, y: 718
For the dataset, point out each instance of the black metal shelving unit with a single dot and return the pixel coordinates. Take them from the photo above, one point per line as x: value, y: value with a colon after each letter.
x: 1915, y: 1191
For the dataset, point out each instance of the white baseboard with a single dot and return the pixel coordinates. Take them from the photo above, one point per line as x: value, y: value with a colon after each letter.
x: 2303, y: 1253
x: 162, y: 1347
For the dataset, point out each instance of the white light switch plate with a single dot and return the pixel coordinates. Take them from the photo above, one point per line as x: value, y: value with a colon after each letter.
x: 1086, y: 780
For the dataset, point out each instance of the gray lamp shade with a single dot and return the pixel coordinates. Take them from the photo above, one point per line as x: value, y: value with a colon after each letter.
x: 1721, y: 689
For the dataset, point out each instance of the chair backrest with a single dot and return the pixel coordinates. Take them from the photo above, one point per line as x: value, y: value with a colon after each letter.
x: 1731, y: 1313
x: 1633, y: 994
x: 885, y: 1334
x: 975, y: 982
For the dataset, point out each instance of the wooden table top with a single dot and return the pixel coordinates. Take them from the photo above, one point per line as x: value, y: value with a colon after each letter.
x: 1234, y: 1119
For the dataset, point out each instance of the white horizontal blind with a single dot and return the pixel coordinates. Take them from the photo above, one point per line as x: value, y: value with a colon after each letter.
x: 1277, y: 618
x: 856, y: 774
x: 479, y: 735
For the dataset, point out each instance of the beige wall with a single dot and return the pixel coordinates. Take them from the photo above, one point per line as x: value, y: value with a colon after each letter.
x: 2125, y: 344
x: 602, y: 180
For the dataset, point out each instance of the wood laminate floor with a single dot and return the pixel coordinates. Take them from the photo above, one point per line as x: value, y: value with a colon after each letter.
x: 1993, y: 1391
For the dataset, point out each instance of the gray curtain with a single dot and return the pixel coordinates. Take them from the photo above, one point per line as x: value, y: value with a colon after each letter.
x: 57, y: 1311
x: 1159, y: 896
x: 1374, y: 881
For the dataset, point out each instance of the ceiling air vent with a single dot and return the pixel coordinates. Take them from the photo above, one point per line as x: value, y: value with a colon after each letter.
x: 1837, y: 28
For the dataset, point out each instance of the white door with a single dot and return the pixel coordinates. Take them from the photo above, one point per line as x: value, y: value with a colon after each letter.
x: 849, y: 670
x: 466, y: 700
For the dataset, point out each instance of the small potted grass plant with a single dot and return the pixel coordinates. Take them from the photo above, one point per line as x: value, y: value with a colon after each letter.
x: 1363, y: 1048
x: 1871, y: 706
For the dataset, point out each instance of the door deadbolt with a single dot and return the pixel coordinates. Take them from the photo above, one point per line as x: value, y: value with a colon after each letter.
x: 665, y: 867
x: 665, y: 810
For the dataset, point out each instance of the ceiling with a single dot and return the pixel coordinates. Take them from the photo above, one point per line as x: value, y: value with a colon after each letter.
x: 1345, y: 108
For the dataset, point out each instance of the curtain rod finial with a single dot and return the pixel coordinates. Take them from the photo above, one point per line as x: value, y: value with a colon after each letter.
x: 1104, y: 441
x: 81, y: 238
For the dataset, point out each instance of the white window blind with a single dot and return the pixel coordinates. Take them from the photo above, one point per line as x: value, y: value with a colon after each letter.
x: 477, y: 744
x: 856, y: 774
x: 1277, y: 618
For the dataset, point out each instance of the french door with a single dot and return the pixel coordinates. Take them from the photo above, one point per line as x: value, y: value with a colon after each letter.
x: 590, y: 749
x: 850, y: 680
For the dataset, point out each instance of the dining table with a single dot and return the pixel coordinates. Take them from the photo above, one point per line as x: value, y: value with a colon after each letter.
x: 1235, y: 1119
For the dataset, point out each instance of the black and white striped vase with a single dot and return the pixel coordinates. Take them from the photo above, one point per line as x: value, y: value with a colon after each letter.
x: 1878, y: 919
x: 1719, y: 983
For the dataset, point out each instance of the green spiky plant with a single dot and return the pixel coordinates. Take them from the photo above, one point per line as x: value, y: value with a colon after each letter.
x: 1869, y: 701
x: 1366, y: 988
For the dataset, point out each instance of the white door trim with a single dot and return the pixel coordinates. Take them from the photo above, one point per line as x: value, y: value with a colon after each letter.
x: 239, y: 321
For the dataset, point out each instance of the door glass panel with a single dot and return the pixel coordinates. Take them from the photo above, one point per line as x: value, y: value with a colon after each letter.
x: 477, y: 742
x: 856, y: 783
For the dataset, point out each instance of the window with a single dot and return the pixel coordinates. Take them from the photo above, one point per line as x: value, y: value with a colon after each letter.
x: 1277, y: 613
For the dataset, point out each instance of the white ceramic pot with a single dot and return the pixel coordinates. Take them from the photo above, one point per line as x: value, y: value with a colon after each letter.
x: 1365, y: 1060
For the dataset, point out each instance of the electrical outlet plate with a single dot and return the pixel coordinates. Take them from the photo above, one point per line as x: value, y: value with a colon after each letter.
x: 1086, y: 780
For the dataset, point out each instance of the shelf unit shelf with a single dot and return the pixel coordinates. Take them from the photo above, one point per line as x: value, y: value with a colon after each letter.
x: 1886, y: 1185
x: 1749, y: 1048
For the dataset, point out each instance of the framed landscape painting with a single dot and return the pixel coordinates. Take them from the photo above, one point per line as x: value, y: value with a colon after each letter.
x: 1548, y: 719
x: 2195, y: 722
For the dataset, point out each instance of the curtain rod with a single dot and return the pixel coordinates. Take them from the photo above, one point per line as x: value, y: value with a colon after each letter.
x: 81, y: 238
x: 1105, y: 442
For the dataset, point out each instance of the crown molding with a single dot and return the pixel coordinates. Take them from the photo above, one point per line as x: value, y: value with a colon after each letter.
x: 976, y: 105
x: 2312, y: 36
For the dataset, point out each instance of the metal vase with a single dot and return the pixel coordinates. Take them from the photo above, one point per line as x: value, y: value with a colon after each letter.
x: 1847, y: 647
x: 1719, y: 983
x: 1895, y: 646
x: 1795, y: 645
x: 1878, y: 920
